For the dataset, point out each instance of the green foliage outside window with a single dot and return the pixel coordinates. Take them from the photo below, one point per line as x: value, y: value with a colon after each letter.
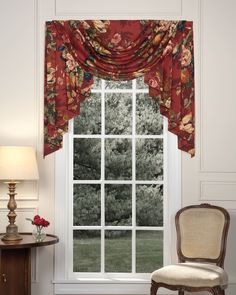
x: 118, y: 166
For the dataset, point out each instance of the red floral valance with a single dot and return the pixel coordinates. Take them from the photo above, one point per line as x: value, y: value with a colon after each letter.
x: 161, y: 51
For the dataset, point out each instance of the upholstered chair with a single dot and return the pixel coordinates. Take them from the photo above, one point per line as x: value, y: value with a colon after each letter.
x: 201, y: 243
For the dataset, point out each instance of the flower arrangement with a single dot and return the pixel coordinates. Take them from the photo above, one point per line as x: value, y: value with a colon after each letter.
x: 38, y: 233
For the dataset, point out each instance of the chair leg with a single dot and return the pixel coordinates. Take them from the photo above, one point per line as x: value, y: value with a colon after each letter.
x: 154, y: 288
x: 217, y: 291
x: 181, y: 292
x: 222, y: 292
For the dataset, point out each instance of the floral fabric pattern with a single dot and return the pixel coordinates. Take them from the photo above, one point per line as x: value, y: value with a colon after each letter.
x: 161, y: 51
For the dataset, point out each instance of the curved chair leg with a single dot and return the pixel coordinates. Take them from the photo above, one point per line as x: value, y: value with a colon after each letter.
x: 217, y: 291
x: 154, y: 288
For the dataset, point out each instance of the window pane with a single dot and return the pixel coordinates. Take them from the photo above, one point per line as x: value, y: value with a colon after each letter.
x: 118, y: 84
x: 87, y: 158
x: 87, y: 204
x: 149, y: 159
x: 149, y: 250
x: 89, y: 120
x: 118, y: 113
x: 118, y: 204
x: 87, y: 251
x: 118, y: 251
x: 149, y: 205
x: 97, y: 83
x: 148, y: 117
x: 140, y: 83
x: 118, y: 164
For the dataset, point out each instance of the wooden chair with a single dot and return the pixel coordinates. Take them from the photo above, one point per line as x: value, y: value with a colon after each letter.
x: 201, y: 243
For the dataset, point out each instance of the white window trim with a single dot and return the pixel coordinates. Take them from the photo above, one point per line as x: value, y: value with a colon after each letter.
x: 64, y: 283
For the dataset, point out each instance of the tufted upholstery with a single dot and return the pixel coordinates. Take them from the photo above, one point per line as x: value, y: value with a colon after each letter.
x: 191, y: 274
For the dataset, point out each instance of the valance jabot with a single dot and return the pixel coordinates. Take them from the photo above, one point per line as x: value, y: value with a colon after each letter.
x: 161, y: 51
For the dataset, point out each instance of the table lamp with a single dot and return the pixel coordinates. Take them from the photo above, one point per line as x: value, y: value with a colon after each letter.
x: 16, y: 163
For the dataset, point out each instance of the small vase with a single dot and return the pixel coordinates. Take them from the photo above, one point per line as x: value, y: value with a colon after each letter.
x: 39, y: 234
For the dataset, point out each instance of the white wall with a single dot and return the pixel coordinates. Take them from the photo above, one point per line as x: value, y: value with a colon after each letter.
x: 21, y: 114
x: 209, y: 177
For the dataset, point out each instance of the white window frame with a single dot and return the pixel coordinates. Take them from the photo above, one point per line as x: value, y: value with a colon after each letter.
x: 67, y: 282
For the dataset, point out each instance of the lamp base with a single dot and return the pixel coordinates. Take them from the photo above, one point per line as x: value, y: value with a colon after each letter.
x: 11, y: 229
x: 11, y: 233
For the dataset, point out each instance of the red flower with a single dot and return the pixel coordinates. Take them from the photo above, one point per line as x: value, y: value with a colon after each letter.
x: 38, y: 221
x: 52, y: 132
x: 116, y: 39
x: 153, y: 83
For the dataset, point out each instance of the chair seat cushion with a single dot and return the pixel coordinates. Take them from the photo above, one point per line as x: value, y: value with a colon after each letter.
x: 191, y: 274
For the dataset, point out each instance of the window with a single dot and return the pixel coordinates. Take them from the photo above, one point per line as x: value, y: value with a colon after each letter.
x: 116, y: 221
x: 118, y: 181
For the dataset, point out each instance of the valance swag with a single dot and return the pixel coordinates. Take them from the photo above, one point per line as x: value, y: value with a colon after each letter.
x: 161, y: 51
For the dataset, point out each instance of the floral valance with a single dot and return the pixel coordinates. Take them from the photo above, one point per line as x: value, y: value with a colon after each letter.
x: 161, y: 51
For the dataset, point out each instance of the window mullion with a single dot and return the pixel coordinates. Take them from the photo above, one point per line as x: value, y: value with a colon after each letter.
x: 165, y: 200
x: 71, y: 197
x: 103, y: 178
x: 133, y: 177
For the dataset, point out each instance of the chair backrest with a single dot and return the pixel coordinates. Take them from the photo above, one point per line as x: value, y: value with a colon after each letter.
x: 201, y: 233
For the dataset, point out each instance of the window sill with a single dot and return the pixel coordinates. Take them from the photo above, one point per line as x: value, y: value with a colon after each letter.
x: 104, y: 286
x: 101, y: 286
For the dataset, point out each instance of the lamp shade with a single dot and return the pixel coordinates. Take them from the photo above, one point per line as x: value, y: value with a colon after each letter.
x: 18, y: 163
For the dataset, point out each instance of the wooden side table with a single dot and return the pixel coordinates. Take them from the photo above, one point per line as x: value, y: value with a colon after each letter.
x: 15, y: 263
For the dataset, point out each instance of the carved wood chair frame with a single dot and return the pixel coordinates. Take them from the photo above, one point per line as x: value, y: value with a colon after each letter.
x: 219, y: 261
